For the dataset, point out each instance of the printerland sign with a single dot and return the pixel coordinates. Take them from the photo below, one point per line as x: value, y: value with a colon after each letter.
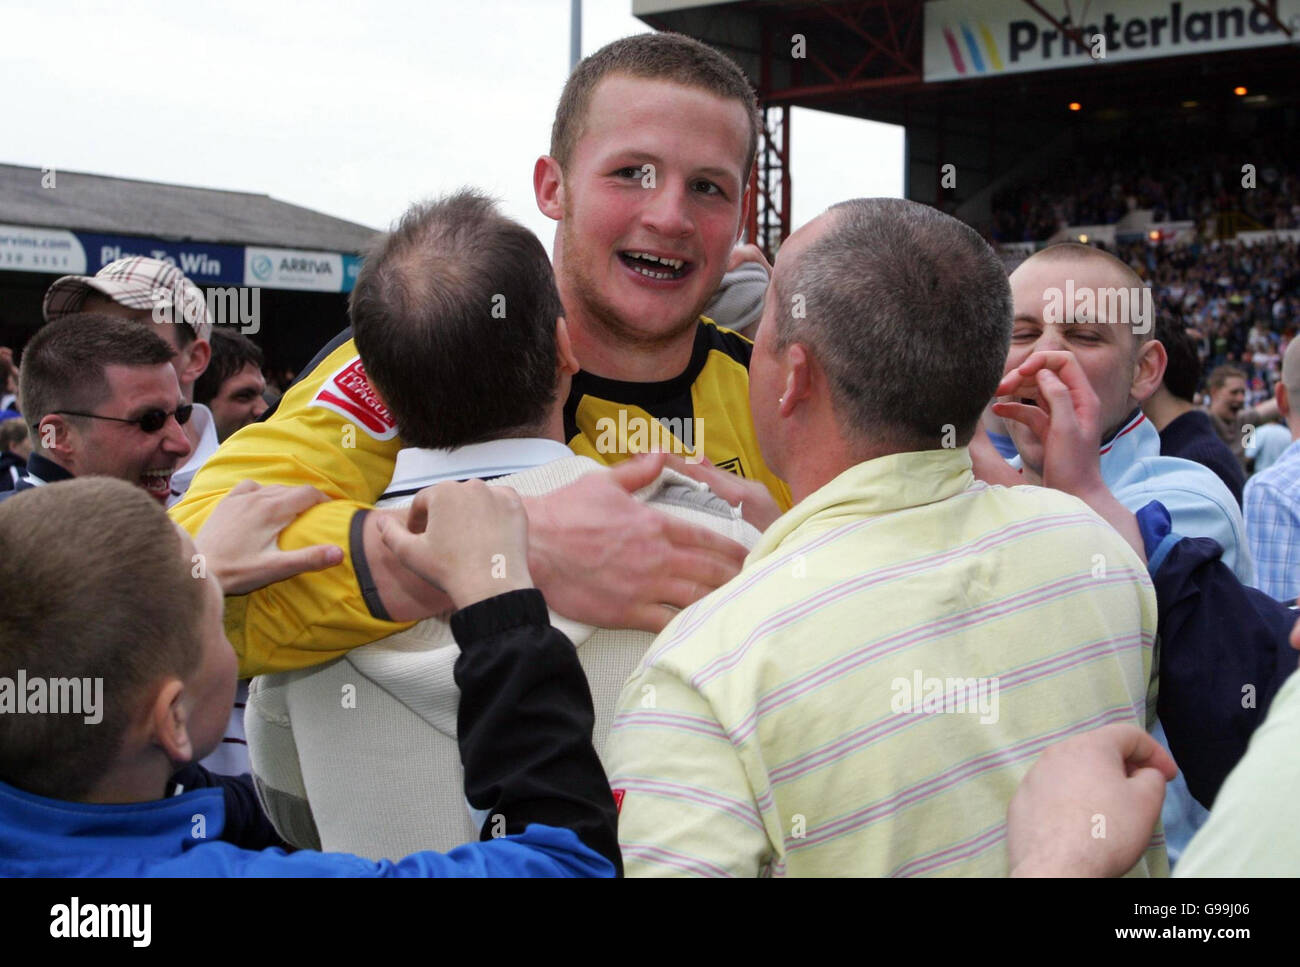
x: 981, y: 38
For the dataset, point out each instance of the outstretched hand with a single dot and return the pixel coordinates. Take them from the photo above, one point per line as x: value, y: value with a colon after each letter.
x: 606, y: 559
x: 239, y: 540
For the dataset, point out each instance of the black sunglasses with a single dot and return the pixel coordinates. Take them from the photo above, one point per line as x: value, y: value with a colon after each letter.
x: 151, y: 422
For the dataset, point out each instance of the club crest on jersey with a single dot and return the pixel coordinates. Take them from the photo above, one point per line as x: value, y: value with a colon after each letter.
x: 349, y: 394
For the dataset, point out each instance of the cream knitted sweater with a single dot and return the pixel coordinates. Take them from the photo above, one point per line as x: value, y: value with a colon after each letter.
x: 360, y: 755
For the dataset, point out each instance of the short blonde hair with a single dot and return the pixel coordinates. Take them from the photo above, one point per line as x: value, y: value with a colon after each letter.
x: 662, y: 57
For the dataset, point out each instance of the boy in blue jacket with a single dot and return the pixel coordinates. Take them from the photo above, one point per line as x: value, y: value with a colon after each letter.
x: 115, y: 672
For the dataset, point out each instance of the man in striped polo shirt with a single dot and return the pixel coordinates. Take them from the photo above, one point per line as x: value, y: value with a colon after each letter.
x: 864, y: 697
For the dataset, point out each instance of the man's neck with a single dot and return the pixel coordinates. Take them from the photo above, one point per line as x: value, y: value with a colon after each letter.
x: 1164, y: 407
x: 604, y: 353
x: 812, y: 465
x: 141, y: 781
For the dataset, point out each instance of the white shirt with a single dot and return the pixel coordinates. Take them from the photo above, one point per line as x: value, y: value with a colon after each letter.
x: 207, y: 446
x: 416, y: 469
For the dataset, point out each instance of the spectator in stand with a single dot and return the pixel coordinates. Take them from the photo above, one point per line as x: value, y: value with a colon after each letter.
x: 146, y: 290
x: 1185, y: 430
x: 15, y: 448
x: 101, y: 399
x: 232, y: 385
x: 1273, y: 498
x: 1228, y: 411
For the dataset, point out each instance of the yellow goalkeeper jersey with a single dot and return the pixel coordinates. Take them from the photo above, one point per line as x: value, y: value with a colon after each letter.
x: 329, y: 430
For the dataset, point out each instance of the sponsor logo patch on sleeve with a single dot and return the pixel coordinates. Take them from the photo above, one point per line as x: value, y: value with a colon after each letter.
x: 348, y: 393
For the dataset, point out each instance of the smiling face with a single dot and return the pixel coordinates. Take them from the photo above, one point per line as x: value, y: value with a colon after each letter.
x: 1229, y: 399
x: 1107, y: 352
x: 106, y: 448
x: 651, y: 204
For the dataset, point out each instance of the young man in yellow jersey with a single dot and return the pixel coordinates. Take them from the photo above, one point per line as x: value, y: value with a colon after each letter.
x: 651, y: 150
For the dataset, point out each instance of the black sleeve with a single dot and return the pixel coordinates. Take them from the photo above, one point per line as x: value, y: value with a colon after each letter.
x: 1224, y: 653
x: 525, y: 724
x: 246, y: 825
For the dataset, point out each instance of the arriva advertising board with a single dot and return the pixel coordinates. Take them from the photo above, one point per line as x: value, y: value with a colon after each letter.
x: 967, y: 39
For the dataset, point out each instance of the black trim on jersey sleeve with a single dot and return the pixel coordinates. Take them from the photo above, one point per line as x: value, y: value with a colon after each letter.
x: 365, y: 580
x: 665, y: 399
x: 307, y: 370
x: 524, y: 724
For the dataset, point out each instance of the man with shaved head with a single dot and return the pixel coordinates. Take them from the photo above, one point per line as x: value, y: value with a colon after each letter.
x: 1079, y: 299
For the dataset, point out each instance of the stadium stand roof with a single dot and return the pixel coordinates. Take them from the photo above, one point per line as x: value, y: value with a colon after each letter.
x: 102, y: 203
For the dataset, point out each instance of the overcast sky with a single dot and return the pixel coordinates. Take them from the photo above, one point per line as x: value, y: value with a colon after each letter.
x: 350, y: 109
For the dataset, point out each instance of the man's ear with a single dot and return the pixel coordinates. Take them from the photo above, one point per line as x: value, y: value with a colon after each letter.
x: 1149, y: 370
x: 744, y: 214
x: 1283, y: 400
x: 196, y: 358
x: 169, y: 721
x: 799, y: 375
x: 548, y: 187
x: 565, y: 359
x: 56, y: 434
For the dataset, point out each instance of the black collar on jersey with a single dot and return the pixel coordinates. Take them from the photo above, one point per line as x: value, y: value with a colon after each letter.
x: 664, y: 399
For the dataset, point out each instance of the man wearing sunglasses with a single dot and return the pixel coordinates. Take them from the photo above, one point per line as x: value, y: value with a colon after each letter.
x: 158, y: 295
x: 101, y: 398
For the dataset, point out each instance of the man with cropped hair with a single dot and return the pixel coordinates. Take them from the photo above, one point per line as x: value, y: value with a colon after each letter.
x: 1124, y: 365
x: 100, y: 398
x: 1185, y: 429
x: 85, y: 791
x: 157, y: 294
x: 476, y: 393
x: 647, y: 180
x: 863, y: 698
x: 1229, y: 412
x: 232, y: 385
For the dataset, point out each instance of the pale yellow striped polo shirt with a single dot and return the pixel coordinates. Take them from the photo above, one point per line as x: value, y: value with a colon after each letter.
x: 865, y: 696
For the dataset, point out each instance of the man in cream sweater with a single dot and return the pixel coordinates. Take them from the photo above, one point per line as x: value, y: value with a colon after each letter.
x: 361, y: 754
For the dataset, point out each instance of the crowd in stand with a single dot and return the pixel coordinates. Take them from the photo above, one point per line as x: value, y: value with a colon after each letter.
x: 1177, y: 181
x: 1240, y: 302
x: 442, y: 613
